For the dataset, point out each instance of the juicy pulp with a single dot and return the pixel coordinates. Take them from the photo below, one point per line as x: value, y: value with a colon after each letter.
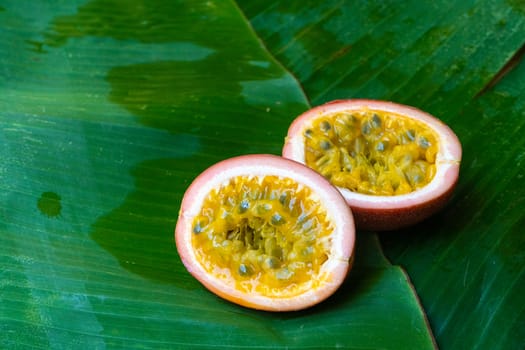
x: 372, y: 152
x: 267, y: 233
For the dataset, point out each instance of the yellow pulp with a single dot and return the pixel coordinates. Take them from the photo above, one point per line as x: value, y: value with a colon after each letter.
x: 265, y: 233
x: 372, y: 152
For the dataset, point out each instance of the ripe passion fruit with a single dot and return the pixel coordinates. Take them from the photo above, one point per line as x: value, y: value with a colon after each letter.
x: 394, y: 164
x: 265, y: 232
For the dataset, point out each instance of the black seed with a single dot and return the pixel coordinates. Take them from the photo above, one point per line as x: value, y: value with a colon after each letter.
x: 411, y: 134
x: 376, y: 121
x: 365, y: 129
x: 380, y: 146
x: 277, y: 219
x: 284, y: 274
x: 359, y: 145
x: 307, y: 225
x: 244, y: 270
x: 282, y: 198
x: 326, y: 145
x: 307, y: 251
x: 264, y: 208
x: 244, y: 206
x: 325, y: 126
x: 350, y: 119
x: 273, y: 262
x: 423, y: 142
x: 197, y: 228
x: 308, y: 132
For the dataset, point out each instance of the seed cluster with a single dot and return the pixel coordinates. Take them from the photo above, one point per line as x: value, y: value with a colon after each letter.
x: 372, y: 152
x: 267, y: 233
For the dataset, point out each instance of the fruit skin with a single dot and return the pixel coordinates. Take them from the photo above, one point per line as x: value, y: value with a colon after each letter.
x: 384, y: 213
x: 264, y: 164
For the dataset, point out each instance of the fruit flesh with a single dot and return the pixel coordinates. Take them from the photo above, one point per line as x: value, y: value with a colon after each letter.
x: 371, y: 151
x: 267, y: 233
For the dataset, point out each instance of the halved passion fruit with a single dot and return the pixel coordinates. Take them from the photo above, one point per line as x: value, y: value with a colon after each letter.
x: 395, y: 165
x: 265, y: 232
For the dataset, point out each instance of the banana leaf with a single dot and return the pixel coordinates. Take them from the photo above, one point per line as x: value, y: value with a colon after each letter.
x: 461, y: 61
x: 108, y: 110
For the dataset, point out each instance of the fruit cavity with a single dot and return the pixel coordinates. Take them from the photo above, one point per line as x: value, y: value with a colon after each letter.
x: 371, y: 151
x: 394, y: 164
x: 267, y: 233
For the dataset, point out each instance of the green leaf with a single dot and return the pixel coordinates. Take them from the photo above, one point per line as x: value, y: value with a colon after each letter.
x: 482, y: 265
x: 468, y: 262
x: 108, y: 110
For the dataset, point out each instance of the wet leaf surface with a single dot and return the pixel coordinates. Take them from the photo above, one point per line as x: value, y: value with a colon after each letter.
x: 109, y: 110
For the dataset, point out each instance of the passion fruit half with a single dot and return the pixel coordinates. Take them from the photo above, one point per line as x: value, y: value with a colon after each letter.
x: 394, y: 164
x: 265, y: 232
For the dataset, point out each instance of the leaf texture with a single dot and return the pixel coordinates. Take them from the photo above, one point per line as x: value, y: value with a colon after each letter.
x: 108, y: 110
x: 467, y: 263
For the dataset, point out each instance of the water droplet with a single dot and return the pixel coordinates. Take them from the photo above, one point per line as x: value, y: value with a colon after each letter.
x: 49, y: 204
